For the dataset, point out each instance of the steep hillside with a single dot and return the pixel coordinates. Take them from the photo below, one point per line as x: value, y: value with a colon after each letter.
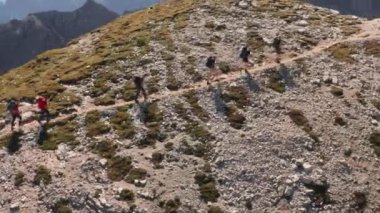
x: 300, y: 136
x: 22, y: 40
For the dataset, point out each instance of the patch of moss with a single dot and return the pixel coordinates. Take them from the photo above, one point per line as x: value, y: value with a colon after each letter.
x: 61, y: 132
x: 94, y: 125
x: 207, y: 187
x: 235, y: 119
x: 239, y: 95
x: 376, y: 103
x: 375, y: 141
x: 19, y: 178
x: 62, y: 206
x: 336, y: 91
x: 169, y: 146
x: 171, y: 82
x: 127, y: 195
x: 224, y: 67
x: 372, y: 48
x: 105, y: 149
x: 157, y: 158
x: 118, y: 167
x: 342, y: 52
x: 105, y: 100
x: 275, y: 81
x: 63, y: 101
x: 129, y: 91
x: 42, y: 175
x: 171, y: 205
x: 122, y: 122
x: 153, y: 116
x: 136, y: 174
x: 192, y: 99
x: 197, y: 132
x: 214, y: 209
x: 298, y: 117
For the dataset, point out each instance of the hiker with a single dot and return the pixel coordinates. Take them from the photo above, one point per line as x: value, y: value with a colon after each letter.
x: 13, y: 108
x: 139, y: 83
x: 210, y: 64
x: 244, y: 54
x: 42, y: 109
x: 277, y: 46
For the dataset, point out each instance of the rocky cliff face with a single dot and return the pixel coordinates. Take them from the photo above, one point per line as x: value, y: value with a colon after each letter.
x: 299, y: 136
x: 20, y: 41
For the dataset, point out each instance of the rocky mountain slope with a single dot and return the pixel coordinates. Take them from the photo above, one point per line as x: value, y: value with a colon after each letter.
x: 300, y: 136
x: 22, y: 40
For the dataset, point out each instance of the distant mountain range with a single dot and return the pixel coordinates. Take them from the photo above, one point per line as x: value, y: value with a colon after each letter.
x: 18, y: 9
x: 21, y: 40
x: 365, y: 8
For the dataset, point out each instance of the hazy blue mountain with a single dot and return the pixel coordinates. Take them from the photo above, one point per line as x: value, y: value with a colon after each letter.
x: 365, y: 8
x: 22, y: 40
x: 18, y: 9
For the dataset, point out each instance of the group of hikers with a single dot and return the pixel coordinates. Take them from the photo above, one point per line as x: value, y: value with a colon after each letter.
x: 245, y: 53
x: 13, y: 107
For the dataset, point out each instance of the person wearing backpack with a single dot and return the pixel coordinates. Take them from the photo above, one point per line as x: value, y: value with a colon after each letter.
x: 13, y: 108
x: 42, y: 109
x: 244, y: 55
x: 210, y: 64
x: 139, y: 84
x: 277, y: 46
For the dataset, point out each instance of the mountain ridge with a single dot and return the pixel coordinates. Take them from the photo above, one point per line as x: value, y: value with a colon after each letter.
x: 39, y: 32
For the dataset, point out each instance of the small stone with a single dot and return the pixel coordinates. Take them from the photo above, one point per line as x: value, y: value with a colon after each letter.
x: 302, y: 23
x: 334, y: 80
x: 374, y: 122
x: 103, y: 162
x: 288, y: 193
x: 243, y: 5
x: 307, y: 167
x: 15, y: 207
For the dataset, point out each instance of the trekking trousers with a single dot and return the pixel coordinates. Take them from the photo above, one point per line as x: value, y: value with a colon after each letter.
x: 138, y: 91
x: 14, y: 117
x: 44, y: 113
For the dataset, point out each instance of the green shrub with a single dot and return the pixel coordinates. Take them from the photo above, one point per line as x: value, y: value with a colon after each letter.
x: 105, y: 100
x: 376, y: 103
x: 136, y: 174
x: 61, y: 132
x: 375, y: 141
x: 61, y: 206
x: 298, y: 117
x: 336, y: 91
x: 94, y: 125
x: 224, y: 67
x: 340, y: 121
x: 235, y: 119
x: 169, y: 146
x: 105, y: 149
x: 118, y: 168
x: 127, y: 195
x: 214, y: 209
x: 122, y: 122
x: 42, y: 174
x: 19, y: 178
x: 192, y: 99
x: 141, y: 42
x: 239, y: 95
x: 207, y: 187
x: 170, y: 206
x: 157, y: 158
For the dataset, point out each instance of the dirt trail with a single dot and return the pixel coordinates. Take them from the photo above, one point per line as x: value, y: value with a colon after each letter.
x: 370, y: 31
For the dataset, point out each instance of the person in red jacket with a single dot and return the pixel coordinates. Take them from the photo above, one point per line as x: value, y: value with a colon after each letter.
x: 42, y: 109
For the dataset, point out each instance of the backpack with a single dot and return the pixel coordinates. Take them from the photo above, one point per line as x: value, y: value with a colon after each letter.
x: 12, y: 105
x: 276, y: 42
x: 210, y: 62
